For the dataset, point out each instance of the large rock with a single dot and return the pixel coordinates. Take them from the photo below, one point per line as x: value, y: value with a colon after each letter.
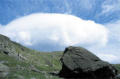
x: 79, y: 63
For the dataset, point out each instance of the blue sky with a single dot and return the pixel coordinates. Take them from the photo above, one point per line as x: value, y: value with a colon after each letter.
x: 98, y: 10
x: 50, y: 25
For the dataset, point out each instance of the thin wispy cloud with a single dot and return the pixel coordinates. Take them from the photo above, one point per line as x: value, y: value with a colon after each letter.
x: 110, y: 6
x: 87, y: 4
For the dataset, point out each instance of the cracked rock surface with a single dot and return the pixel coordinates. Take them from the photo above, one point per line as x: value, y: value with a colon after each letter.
x: 79, y: 63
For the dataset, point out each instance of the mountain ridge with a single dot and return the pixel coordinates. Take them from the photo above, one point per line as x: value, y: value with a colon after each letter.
x: 19, y: 62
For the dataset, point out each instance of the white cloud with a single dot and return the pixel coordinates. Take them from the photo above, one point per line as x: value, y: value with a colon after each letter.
x: 0, y: 26
x: 109, y: 57
x: 111, y: 52
x: 110, y: 6
x: 25, y: 37
x: 108, y: 53
x: 114, y: 30
x: 60, y: 29
x: 57, y: 31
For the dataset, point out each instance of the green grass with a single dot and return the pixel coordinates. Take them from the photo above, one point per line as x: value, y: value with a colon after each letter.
x: 23, y: 68
x: 117, y: 66
x: 44, y: 62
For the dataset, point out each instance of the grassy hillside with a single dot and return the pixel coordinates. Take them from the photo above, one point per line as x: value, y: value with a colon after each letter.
x: 117, y: 67
x: 24, y: 63
x: 36, y: 68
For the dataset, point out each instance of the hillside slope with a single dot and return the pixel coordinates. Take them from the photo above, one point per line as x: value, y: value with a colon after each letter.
x: 26, y: 63
x: 19, y: 62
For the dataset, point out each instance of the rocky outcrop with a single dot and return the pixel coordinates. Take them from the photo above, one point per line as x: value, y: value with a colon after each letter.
x: 79, y: 63
x: 8, y: 47
x: 4, y: 70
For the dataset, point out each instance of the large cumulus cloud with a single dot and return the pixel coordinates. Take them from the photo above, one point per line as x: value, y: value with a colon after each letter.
x: 58, y: 29
x: 51, y: 32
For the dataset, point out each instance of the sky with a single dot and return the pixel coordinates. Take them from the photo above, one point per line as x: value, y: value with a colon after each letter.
x: 52, y: 25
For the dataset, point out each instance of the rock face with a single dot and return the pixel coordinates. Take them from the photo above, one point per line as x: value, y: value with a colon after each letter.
x: 4, y: 70
x: 8, y: 47
x: 79, y: 63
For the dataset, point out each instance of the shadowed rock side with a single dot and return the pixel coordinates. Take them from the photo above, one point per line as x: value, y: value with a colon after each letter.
x: 79, y: 63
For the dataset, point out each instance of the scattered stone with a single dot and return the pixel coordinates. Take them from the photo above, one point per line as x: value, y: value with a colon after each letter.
x: 79, y: 63
x: 21, y: 57
x: 34, y: 69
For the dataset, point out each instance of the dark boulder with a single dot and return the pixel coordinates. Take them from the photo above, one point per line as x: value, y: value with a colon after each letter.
x: 79, y: 63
